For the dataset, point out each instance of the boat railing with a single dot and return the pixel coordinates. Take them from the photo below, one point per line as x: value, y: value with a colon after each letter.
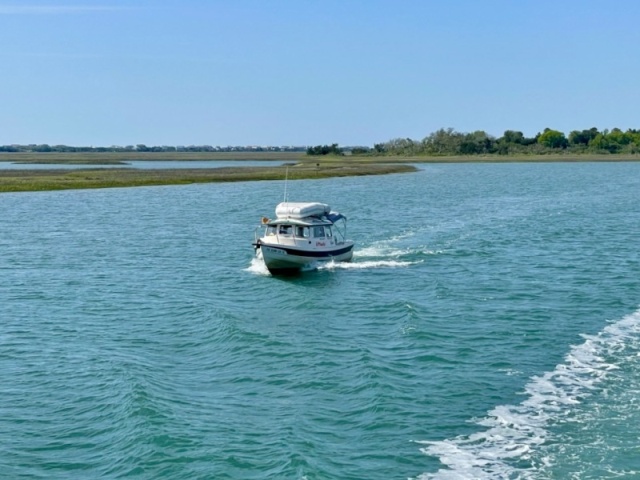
x: 256, y: 233
x: 340, y: 230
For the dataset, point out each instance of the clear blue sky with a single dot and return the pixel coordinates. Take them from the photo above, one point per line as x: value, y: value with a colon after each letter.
x: 308, y: 72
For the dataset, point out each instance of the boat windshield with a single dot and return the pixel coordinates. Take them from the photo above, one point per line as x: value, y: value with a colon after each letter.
x: 303, y: 232
x: 285, y: 230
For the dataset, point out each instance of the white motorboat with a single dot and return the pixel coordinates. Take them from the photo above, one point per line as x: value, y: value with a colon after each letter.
x: 302, y: 235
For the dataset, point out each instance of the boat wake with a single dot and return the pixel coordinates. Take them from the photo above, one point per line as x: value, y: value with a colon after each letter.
x: 364, y: 265
x: 396, y: 247
x: 387, y: 254
x: 515, y: 432
x: 257, y: 267
x: 377, y: 251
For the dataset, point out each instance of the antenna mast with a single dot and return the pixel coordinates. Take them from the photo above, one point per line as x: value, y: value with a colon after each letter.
x: 286, y: 177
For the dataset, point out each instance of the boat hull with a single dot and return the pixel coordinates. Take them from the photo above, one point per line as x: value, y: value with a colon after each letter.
x: 282, y: 260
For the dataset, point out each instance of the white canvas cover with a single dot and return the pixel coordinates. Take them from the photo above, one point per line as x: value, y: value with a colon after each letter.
x: 302, y: 209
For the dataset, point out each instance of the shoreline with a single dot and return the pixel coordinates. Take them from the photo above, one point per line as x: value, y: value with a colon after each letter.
x: 299, y: 164
x: 59, y: 179
x: 111, y: 158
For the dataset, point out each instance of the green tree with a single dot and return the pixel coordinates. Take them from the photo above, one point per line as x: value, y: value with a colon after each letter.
x: 619, y: 137
x: 402, y: 146
x: 511, y: 136
x: 552, y: 139
x: 601, y: 142
x: 478, y: 143
x: 325, y: 150
x: 582, y: 137
x: 443, y: 142
x: 379, y: 147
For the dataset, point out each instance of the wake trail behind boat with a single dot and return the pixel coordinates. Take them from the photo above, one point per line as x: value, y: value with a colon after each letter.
x: 514, y: 433
x: 364, y: 265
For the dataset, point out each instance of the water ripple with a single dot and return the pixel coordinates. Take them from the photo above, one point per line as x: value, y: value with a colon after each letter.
x: 140, y: 337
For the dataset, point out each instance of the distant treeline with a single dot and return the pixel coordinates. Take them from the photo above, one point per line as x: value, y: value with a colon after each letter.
x: 143, y: 148
x: 444, y: 142
x: 448, y: 142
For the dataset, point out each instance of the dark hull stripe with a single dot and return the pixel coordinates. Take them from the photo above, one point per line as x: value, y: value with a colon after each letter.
x: 285, y: 271
x: 313, y: 254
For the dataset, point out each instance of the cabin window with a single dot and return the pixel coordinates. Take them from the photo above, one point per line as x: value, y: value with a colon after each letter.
x: 285, y: 230
x: 271, y: 230
x: 327, y: 232
x: 318, y: 232
x: 302, y: 232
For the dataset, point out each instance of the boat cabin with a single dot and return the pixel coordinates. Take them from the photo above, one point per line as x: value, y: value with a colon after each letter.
x: 304, y: 232
x: 308, y: 232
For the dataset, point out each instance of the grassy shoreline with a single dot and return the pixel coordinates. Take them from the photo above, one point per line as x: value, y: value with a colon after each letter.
x: 111, y: 158
x: 52, y: 179
x: 300, y: 166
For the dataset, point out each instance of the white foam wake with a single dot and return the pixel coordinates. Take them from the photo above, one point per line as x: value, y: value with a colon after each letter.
x: 388, y: 251
x: 395, y: 247
x: 514, y: 431
x: 257, y: 266
x: 363, y: 265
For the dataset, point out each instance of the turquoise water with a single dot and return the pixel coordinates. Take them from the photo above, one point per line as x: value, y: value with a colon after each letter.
x: 489, y: 327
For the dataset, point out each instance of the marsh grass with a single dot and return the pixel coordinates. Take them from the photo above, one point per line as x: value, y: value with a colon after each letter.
x: 121, y: 158
x: 38, y: 180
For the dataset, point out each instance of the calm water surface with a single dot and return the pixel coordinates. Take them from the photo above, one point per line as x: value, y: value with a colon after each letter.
x: 488, y: 327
